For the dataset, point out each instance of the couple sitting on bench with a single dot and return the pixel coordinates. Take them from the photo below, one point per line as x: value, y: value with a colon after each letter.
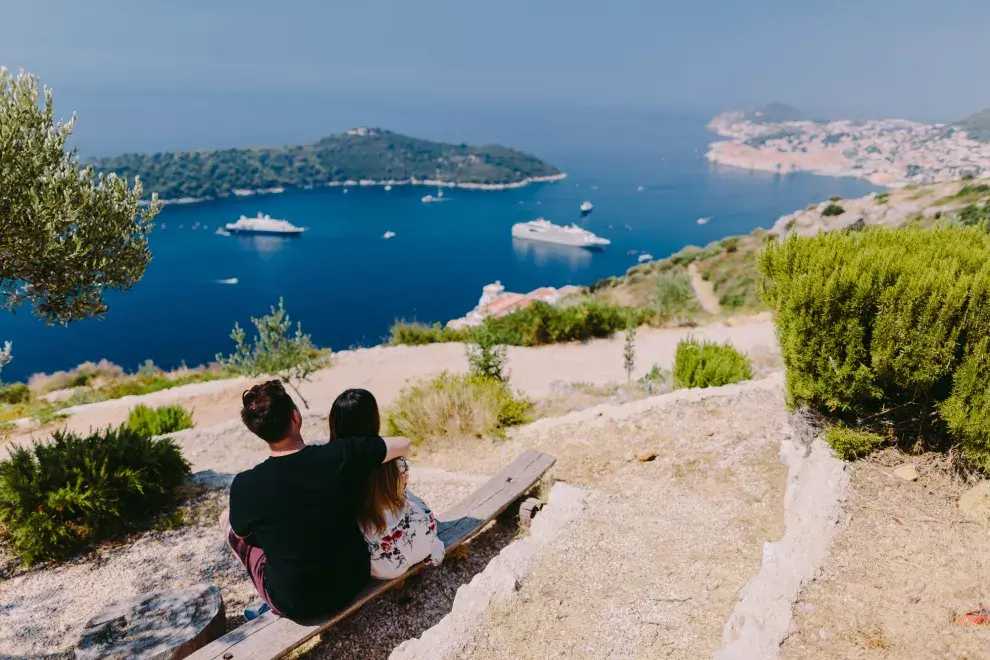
x: 313, y: 523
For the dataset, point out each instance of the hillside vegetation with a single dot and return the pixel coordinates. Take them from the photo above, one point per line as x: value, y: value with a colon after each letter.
x: 889, y: 325
x: 372, y: 154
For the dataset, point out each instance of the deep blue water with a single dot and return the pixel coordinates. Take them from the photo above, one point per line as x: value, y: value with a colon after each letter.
x: 347, y: 285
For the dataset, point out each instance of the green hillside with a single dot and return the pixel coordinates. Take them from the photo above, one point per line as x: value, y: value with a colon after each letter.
x: 367, y: 154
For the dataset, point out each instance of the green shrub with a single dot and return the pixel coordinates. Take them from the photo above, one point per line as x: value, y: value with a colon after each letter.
x: 832, y: 209
x: 486, y: 357
x: 275, y: 351
x: 673, y: 295
x: 61, y: 497
x: 159, y: 421
x: 15, y: 393
x: 851, y: 444
x: 835, y: 198
x: 887, y: 320
x: 421, y: 334
x: 538, y: 324
x: 707, y: 364
x: 455, y: 406
x: 541, y: 323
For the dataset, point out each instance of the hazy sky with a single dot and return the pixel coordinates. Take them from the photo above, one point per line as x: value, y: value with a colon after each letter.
x: 915, y: 58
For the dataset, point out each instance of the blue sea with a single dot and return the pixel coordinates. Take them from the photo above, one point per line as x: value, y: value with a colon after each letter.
x: 346, y: 284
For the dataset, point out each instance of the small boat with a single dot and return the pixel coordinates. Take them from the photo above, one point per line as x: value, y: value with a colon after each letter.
x: 640, y: 188
x: 586, y: 206
x: 346, y: 191
x: 427, y: 199
x: 388, y: 187
x: 387, y: 235
x: 231, y: 280
x: 704, y: 221
x: 222, y: 232
x: 643, y: 258
x: 594, y: 187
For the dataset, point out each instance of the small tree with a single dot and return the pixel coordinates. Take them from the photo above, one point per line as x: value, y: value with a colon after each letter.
x: 672, y: 294
x: 66, y: 235
x: 486, y: 356
x: 629, y: 351
x: 292, y: 358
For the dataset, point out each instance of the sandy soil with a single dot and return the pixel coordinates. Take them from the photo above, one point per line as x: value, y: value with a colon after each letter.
x: 904, y: 567
x: 384, y: 371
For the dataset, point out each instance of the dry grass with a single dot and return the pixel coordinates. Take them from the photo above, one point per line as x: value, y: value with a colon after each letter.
x: 454, y: 406
x: 903, y: 568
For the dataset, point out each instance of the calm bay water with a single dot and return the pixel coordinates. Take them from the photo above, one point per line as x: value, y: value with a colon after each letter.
x: 346, y: 284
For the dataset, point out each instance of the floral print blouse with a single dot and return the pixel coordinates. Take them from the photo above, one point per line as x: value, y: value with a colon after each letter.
x: 409, y: 537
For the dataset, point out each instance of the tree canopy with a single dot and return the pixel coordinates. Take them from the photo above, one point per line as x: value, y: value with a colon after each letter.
x: 67, y: 235
x: 374, y: 154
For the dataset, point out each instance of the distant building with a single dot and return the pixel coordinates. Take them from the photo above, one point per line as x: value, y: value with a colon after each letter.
x: 496, y: 301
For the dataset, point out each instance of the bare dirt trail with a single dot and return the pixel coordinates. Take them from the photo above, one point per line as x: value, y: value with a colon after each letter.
x: 385, y: 370
x: 704, y: 292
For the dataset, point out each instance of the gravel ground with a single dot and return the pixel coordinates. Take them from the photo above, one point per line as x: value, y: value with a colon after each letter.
x: 904, y: 566
x: 43, y: 609
x: 654, y: 567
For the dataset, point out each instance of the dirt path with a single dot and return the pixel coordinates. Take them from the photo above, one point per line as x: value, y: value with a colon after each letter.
x: 704, y: 292
x: 654, y: 567
x: 385, y: 370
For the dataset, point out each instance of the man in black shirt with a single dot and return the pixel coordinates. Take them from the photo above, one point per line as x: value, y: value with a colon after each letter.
x: 292, y: 519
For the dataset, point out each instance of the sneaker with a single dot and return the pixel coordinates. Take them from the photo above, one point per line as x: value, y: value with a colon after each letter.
x: 255, y: 611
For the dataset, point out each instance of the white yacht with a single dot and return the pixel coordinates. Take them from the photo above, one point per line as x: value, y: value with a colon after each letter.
x: 704, y: 221
x: 643, y: 258
x: 388, y: 186
x: 222, y: 232
x: 430, y: 198
x: 264, y: 224
x: 547, y: 232
x: 586, y: 206
x: 387, y: 235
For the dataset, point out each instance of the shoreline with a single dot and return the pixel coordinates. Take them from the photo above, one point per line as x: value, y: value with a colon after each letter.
x: 756, y: 161
x: 363, y: 183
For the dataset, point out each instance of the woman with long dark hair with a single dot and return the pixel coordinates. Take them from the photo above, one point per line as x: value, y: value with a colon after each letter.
x: 398, y: 527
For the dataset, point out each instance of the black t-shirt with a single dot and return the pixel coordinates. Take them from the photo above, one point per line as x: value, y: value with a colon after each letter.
x: 300, y: 509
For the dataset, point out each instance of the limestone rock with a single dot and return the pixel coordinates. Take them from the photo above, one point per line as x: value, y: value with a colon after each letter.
x: 907, y: 472
x: 975, y: 503
x: 162, y: 625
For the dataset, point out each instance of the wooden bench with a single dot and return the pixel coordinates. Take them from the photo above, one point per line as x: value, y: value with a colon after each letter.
x: 270, y: 636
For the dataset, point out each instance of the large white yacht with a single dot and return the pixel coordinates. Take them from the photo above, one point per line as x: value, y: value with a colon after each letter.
x: 547, y: 232
x: 264, y: 224
x: 586, y: 207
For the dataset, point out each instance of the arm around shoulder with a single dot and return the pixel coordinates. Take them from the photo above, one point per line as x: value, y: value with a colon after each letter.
x: 395, y: 447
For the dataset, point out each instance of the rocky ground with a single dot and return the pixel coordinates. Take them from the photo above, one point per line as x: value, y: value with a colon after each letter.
x: 910, y: 560
x: 891, y: 208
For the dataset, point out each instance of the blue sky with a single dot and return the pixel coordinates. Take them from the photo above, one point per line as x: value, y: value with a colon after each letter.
x: 131, y: 60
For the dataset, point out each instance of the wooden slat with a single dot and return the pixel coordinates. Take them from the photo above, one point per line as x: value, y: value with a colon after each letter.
x: 269, y: 636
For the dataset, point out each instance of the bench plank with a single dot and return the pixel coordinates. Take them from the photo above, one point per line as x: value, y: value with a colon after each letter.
x: 269, y: 636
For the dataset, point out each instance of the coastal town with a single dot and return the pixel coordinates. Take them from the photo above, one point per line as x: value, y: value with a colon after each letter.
x: 886, y: 152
